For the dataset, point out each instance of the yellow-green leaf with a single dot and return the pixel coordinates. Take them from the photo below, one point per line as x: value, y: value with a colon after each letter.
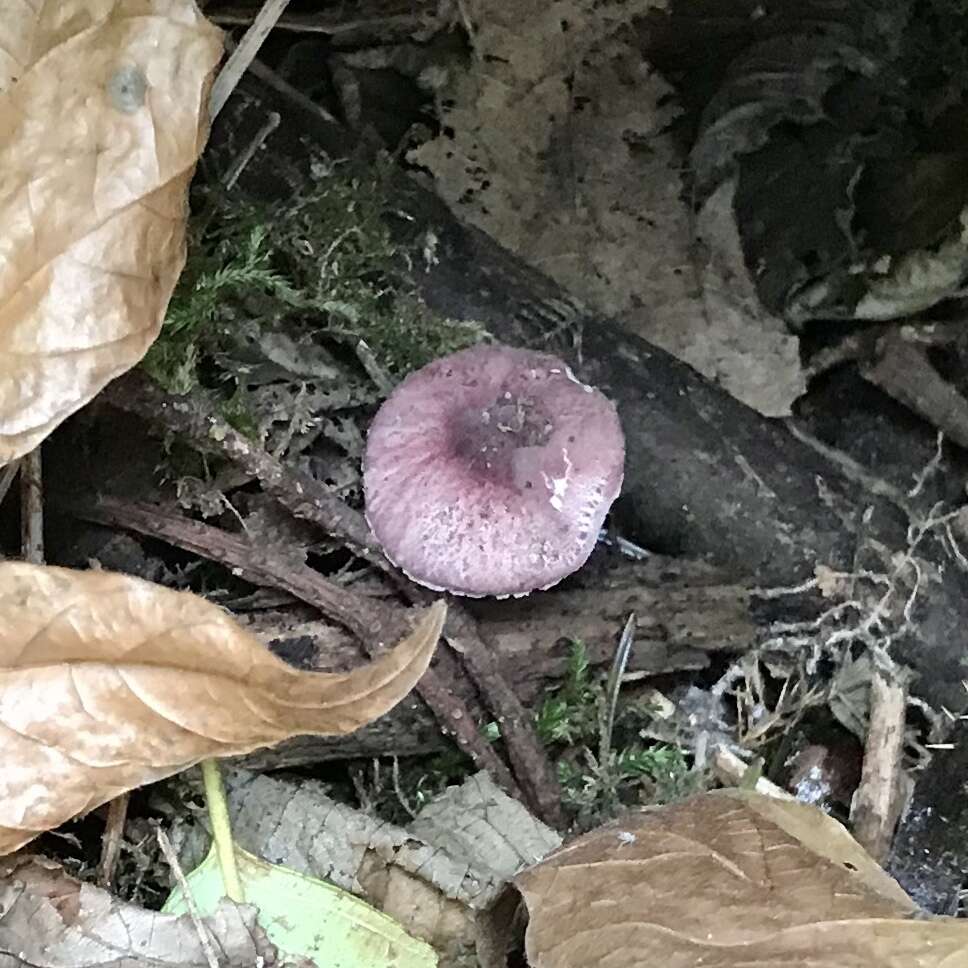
x: 306, y: 917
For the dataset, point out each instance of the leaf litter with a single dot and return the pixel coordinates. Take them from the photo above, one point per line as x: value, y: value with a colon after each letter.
x: 616, y: 109
x: 52, y: 919
x: 438, y: 875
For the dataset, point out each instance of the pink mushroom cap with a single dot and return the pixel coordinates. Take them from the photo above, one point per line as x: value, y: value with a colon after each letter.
x: 490, y: 472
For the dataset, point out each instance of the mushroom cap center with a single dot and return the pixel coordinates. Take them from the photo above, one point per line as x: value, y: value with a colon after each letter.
x: 488, y: 438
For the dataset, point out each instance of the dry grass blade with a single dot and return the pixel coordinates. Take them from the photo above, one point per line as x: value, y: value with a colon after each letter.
x: 102, y: 118
x: 108, y: 682
x: 245, y: 53
x: 725, y: 880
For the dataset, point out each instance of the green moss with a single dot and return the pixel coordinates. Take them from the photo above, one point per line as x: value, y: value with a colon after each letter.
x: 597, y: 784
x: 571, y: 712
x: 322, y: 265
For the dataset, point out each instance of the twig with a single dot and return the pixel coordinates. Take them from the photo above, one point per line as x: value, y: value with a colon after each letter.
x: 111, y: 841
x: 369, y: 619
x: 32, y: 507
x: 269, y: 77
x: 204, y: 938
x: 218, y: 815
x: 732, y: 771
x: 244, y: 53
x: 400, y: 20
x: 531, y: 765
x: 192, y: 417
x: 238, y: 165
x: 902, y: 370
x: 874, y: 812
x: 7, y: 473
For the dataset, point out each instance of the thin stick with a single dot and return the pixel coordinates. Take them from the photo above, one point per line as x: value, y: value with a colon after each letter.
x: 730, y: 770
x: 400, y: 21
x: 218, y: 812
x: 532, y: 766
x: 32, y: 508
x: 373, y: 621
x: 268, y: 76
x: 7, y: 473
x: 204, y: 938
x: 300, y: 493
x: 111, y: 841
x: 874, y: 812
x: 903, y: 371
x: 238, y: 165
x: 244, y: 54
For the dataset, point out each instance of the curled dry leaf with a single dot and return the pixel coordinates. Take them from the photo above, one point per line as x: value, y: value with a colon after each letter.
x: 108, y: 682
x: 102, y: 118
x: 725, y: 880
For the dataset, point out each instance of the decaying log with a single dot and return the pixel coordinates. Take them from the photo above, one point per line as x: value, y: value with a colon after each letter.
x: 684, y: 612
x: 706, y: 477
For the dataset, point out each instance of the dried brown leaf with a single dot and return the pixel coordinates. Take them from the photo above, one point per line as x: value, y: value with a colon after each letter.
x: 566, y: 153
x: 51, y: 919
x: 108, y: 682
x: 725, y: 880
x: 102, y: 118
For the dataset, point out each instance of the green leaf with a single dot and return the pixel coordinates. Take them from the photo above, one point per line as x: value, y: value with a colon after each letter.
x: 306, y: 917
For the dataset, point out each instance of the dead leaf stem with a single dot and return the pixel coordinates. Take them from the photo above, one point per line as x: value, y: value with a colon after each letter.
x: 204, y: 937
x: 111, y: 841
x: 32, y: 507
x: 218, y: 815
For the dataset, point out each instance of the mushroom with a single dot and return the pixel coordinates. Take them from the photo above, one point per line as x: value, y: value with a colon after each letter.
x: 490, y: 472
